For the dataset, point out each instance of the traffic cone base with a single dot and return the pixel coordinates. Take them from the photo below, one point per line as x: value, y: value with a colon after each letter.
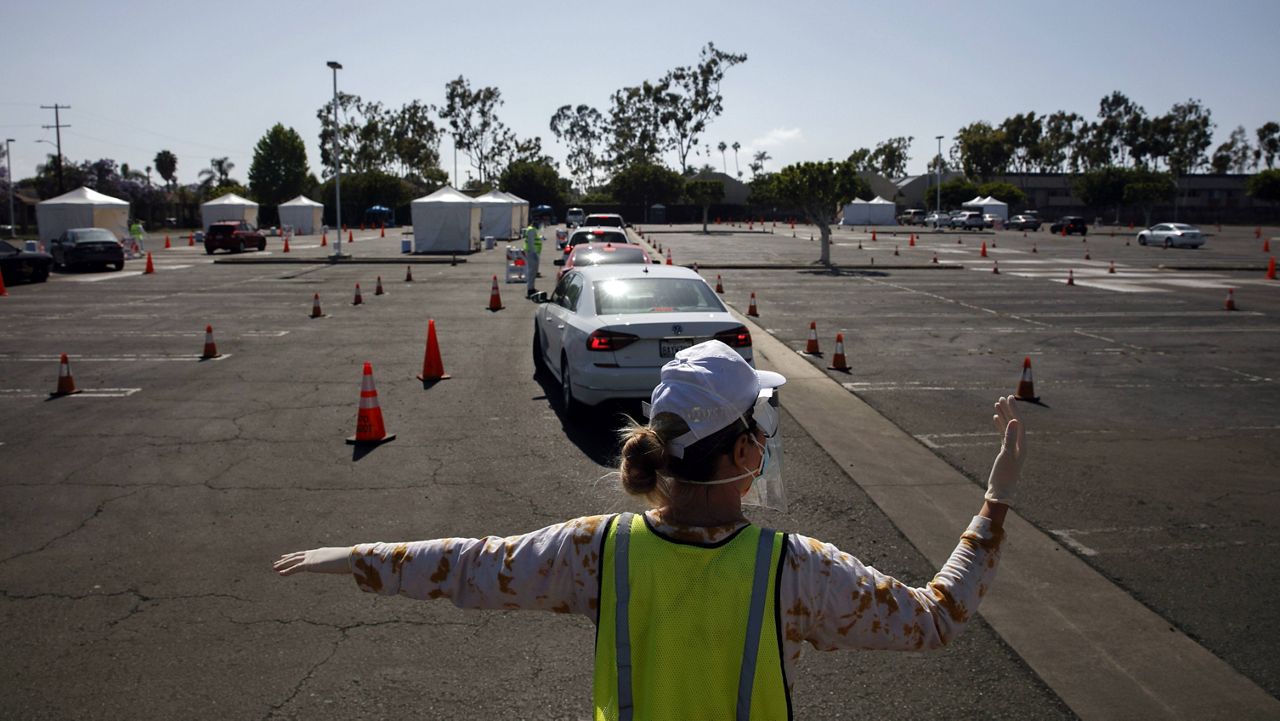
x: 1026, y: 387
x: 370, y: 429
x: 66, y: 384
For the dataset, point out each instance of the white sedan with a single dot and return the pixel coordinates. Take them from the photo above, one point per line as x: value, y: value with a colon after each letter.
x: 607, y: 330
x: 1173, y: 234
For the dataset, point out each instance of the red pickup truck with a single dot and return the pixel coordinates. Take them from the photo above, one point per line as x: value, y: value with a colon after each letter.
x: 234, y: 236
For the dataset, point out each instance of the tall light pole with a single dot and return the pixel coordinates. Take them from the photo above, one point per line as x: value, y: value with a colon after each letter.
x: 938, y: 169
x: 337, y: 161
x: 8, y: 154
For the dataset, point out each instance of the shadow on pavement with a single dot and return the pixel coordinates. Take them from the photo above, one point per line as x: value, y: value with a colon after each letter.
x: 593, y: 430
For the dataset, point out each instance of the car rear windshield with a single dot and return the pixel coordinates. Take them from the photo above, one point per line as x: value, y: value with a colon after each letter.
x: 612, y: 221
x: 655, y: 295
x: 603, y: 236
x: 222, y: 229
x: 606, y: 256
x: 97, y: 235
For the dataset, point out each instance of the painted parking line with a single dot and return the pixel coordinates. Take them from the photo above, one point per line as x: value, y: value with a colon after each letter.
x: 987, y: 438
x: 123, y: 358
x: 920, y: 386
x: 13, y: 393
x: 159, y: 333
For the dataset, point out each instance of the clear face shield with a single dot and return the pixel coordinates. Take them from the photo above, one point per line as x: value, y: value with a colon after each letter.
x: 767, y: 490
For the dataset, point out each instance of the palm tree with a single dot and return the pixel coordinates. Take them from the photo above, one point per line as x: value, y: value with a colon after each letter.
x: 167, y: 165
x: 736, y: 147
x: 760, y: 157
x: 723, y: 146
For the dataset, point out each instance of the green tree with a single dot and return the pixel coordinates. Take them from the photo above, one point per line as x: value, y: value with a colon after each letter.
x: 167, y: 166
x: 414, y: 141
x: 692, y: 100
x: 538, y: 183
x: 1006, y: 192
x: 1264, y: 186
x: 860, y: 160
x: 1268, y: 143
x: 1118, y: 122
x: 1234, y: 155
x: 984, y: 150
x: 890, y: 157
x: 723, y: 146
x: 279, y: 169
x: 957, y: 192
x: 736, y: 147
x: 1145, y: 188
x: 1191, y: 126
x: 758, y: 159
x: 1057, y: 140
x: 635, y: 125
x: 643, y: 184
x: 1100, y: 188
x: 818, y: 190
x: 472, y: 117
x: 364, y: 189
x: 581, y: 129
x: 704, y: 193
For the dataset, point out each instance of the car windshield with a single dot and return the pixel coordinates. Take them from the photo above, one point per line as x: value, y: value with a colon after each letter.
x: 96, y: 235
x: 606, y: 256
x: 222, y: 229
x: 655, y: 295
x: 598, y: 236
x: 1182, y: 226
x: 610, y: 220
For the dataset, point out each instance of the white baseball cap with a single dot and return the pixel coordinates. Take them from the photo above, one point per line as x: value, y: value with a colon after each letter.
x: 708, y: 386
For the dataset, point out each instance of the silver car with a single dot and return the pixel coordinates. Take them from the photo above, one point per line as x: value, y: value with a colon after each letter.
x: 607, y: 330
x: 1176, y: 235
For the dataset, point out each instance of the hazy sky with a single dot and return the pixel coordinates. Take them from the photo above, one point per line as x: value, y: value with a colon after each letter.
x: 208, y: 79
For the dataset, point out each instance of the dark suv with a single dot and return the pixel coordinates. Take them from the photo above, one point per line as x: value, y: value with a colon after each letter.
x: 87, y: 246
x: 233, y: 235
x: 1069, y: 224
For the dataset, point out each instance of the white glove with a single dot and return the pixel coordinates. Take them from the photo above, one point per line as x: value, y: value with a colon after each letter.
x: 1013, y: 451
x: 317, y: 560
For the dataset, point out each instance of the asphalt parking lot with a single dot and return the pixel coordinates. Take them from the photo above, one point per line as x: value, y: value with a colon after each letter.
x: 140, y: 516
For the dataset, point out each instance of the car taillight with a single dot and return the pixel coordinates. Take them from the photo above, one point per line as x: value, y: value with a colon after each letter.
x: 608, y: 340
x: 738, y: 337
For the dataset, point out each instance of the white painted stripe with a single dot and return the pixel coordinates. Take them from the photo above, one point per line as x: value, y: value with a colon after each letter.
x: 14, y: 393
x: 96, y: 278
x: 140, y: 358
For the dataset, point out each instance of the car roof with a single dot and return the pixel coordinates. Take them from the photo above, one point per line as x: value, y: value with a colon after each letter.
x: 639, y: 270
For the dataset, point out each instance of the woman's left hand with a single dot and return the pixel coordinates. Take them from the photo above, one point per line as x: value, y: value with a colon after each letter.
x: 1007, y: 469
x: 317, y: 560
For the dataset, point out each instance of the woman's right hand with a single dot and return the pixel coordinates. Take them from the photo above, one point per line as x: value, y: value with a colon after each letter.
x: 1007, y: 469
x: 317, y: 560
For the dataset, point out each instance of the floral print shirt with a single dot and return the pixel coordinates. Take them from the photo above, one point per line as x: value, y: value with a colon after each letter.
x: 828, y: 598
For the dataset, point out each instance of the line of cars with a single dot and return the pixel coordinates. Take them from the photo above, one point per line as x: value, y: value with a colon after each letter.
x: 615, y: 317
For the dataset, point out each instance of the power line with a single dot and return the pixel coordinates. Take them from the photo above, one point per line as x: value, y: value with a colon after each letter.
x: 57, y: 126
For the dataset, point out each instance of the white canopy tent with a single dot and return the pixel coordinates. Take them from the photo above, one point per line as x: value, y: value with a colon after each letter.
x: 229, y: 207
x: 881, y: 212
x: 989, y: 205
x: 303, y: 213
x: 855, y: 213
x: 445, y: 221
x: 522, y: 209
x: 82, y: 208
x: 498, y: 215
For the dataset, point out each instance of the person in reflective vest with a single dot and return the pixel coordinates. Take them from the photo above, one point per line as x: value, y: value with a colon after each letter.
x: 532, y: 252
x: 699, y: 613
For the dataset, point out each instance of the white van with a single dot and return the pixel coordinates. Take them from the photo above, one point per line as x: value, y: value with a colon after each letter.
x: 574, y: 217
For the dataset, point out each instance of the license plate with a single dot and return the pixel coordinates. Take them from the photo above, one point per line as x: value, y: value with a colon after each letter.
x: 668, y: 347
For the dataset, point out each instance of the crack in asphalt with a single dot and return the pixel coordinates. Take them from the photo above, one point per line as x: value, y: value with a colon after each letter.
x: 96, y: 512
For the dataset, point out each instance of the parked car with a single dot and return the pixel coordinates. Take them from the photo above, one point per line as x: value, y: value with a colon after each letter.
x: 990, y: 220
x: 606, y: 330
x: 1023, y: 222
x: 575, y: 217
x: 1072, y: 224
x: 601, y: 254
x: 968, y: 220
x: 605, y: 220
x: 915, y: 216
x: 233, y: 236
x: 544, y: 214
x: 24, y: 265
x: 938, y: 219
x: 1176, y: 235
x: 587, y: 234
x: 87, y: 246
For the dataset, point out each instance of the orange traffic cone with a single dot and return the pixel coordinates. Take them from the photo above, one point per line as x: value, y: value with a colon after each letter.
x: 369, y: 426
x: 838, y: 362
x: 983, y: 253
x: 315, y: 307
x: 1033, y: 248
x: 669, y: 261
x: 3, y: 291
x: 377, y: 290
x: 873, y: 236
x: 166, y: 242
x: 859, y: 245
x: 935, y: 257
x: 382, y: 232
x: 408, y: 274
x: 1266, y: 246
x: 719, y: 285
x: 751, y: 307
x: 895, y: 250
x: 1257, y: 232
x: 191, y: 240
x: 362, y: 227
x: 1231, y: 300
x: 350, y: 238
x: 151, y: 268
x: 359, y: 299
x: 995, y: 267
x: 1271, y: 269
x: 812, y: 346
x: 993, y: 242
x: 66, y: 384
x: 912, y: 244
x: 1064, y: 231
x: 324, y: 239
x: 1071, y: 277
x: 210, y: 348
x: 1086, y: 254
x: 495, y: 299
x: 1026, y: 387
x: 1111, y: 268
x: 432, y: 366
x: 286, y: 244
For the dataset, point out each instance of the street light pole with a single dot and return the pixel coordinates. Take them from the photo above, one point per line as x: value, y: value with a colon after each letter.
x: 8, y: 154
x: 938, y: 169
x: 337, y: 161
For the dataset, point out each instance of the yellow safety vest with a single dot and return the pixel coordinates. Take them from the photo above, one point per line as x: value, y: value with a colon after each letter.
x: 532, y: 240
x: 689, y: 631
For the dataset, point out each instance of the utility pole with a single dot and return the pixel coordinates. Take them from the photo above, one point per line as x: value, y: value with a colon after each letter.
x: 57, y: 127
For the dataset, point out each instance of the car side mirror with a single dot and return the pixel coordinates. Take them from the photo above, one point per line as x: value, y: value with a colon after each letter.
x: 540, y: 297
x: 559, y: 261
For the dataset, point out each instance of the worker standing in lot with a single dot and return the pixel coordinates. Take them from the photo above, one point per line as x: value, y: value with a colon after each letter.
x: 532, y: 251
x: 698, y: 612
x: 135, y: 232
